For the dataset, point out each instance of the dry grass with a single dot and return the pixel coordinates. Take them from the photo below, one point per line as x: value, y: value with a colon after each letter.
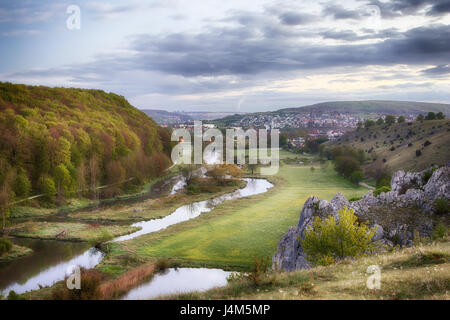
x: 116, y: 288
x: 421, y: 272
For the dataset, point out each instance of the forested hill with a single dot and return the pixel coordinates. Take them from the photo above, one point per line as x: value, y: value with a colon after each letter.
x: 65, y: 141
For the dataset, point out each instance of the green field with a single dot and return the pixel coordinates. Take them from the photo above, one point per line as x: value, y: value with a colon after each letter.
x: 236, y: 231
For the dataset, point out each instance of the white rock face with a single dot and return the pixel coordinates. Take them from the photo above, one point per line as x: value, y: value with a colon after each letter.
x: 408, y: 191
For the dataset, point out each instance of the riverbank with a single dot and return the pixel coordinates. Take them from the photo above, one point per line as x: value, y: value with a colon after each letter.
x: 15, y: 253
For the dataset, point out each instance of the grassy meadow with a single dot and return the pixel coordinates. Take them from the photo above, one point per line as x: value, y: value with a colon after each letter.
x: 232, y: 234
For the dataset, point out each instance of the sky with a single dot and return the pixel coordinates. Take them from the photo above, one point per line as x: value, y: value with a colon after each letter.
x: 236, y: 56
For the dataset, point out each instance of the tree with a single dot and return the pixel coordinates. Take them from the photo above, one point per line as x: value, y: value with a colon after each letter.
x: 401, y: 119
x: 5, y: 198
x: 440, y: 116
x: 430, y: 116
x: 356, y: 177
x: 380, y: 121
x: 22, y: 185
x: 332, y: 239
x: 62, y: 180
x: 390, y: 119
x: 224, y: 173
x: 369, y: 123
x: 420, y: 117
x: 47, y: 187
x: 346, y: 165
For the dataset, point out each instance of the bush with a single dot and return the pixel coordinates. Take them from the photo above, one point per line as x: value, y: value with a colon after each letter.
x: 440, y: 231
x: 418, y: 153
x: 377, y: 191
x: 441, y: 206
x: 161, y: 265
x: 259, y: 269
x: 90, y: 287
x: 5, y: 246
x: 427, y: 175
x: 330, y: 239
x: 354, y: 199
x: 14, y: 296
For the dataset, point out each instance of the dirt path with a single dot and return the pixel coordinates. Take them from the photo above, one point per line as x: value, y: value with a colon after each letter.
x: 365, y: 185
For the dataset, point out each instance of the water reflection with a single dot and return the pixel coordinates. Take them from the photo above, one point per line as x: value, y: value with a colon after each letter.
x: 47, y: 264
x: 50, y: 260
x: 179, y: 280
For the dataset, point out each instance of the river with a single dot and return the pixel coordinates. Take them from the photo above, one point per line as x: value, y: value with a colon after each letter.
x: 51, y: 259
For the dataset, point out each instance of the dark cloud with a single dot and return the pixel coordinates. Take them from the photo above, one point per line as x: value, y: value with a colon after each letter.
x: 350, y: 35
x: 338, y: 12
x: 295, y: 18
x: 237, y: 52
x: 438, y: 70
x: 395, y: 8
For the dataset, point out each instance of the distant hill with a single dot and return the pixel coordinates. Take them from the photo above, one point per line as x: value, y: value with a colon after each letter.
x: 64, y: 140
x: 413, y: 147
x: 166, y: 117
x: 361, y: 108
x: 372, y: 106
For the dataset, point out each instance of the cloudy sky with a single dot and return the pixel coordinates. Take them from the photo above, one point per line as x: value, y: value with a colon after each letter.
x: 232, y: 55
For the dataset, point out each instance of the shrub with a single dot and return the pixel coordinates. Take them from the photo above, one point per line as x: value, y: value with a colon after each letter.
x: 329, y: 240
x: 354, y: 199
x: 440, y: 231
x: 14, y: 296
x: 441, y: 206
x: 427, y: 175
x: 259, y: 269
x: 5, y: 246
x: 90, y: 287
x: 161, y: 265
x: 418, y: 153
x: 377, y: 191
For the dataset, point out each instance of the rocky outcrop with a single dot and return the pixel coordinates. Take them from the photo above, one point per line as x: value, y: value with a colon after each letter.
x: 396, y: 215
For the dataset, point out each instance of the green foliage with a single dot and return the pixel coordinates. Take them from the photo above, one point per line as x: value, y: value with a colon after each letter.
x: 356, y: 177
x: 427, y: 175
x: 440, y: 231
x: 14, y: 296
x: 440, y: 116
x: 354, y: 199
x: 55, y: 131
x: 47, y: 187
x: 401, y: 119
x: 22, y: 185
x: 380, y: 121
x: 442, y: 206
x: 390, y: 119
x: 5, y: 246
x: 379, y: 190
x: 384, y: 180
x: 430, y: 116
x: 330, y: 240
x: 369, y: 123
x: 420, y: 117
x: 346, y: 165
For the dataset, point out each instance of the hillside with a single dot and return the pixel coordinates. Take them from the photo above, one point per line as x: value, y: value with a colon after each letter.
x: 62, y: 141
x: 373, y: 106
x: 395, y: 146
x: 363, y: 109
